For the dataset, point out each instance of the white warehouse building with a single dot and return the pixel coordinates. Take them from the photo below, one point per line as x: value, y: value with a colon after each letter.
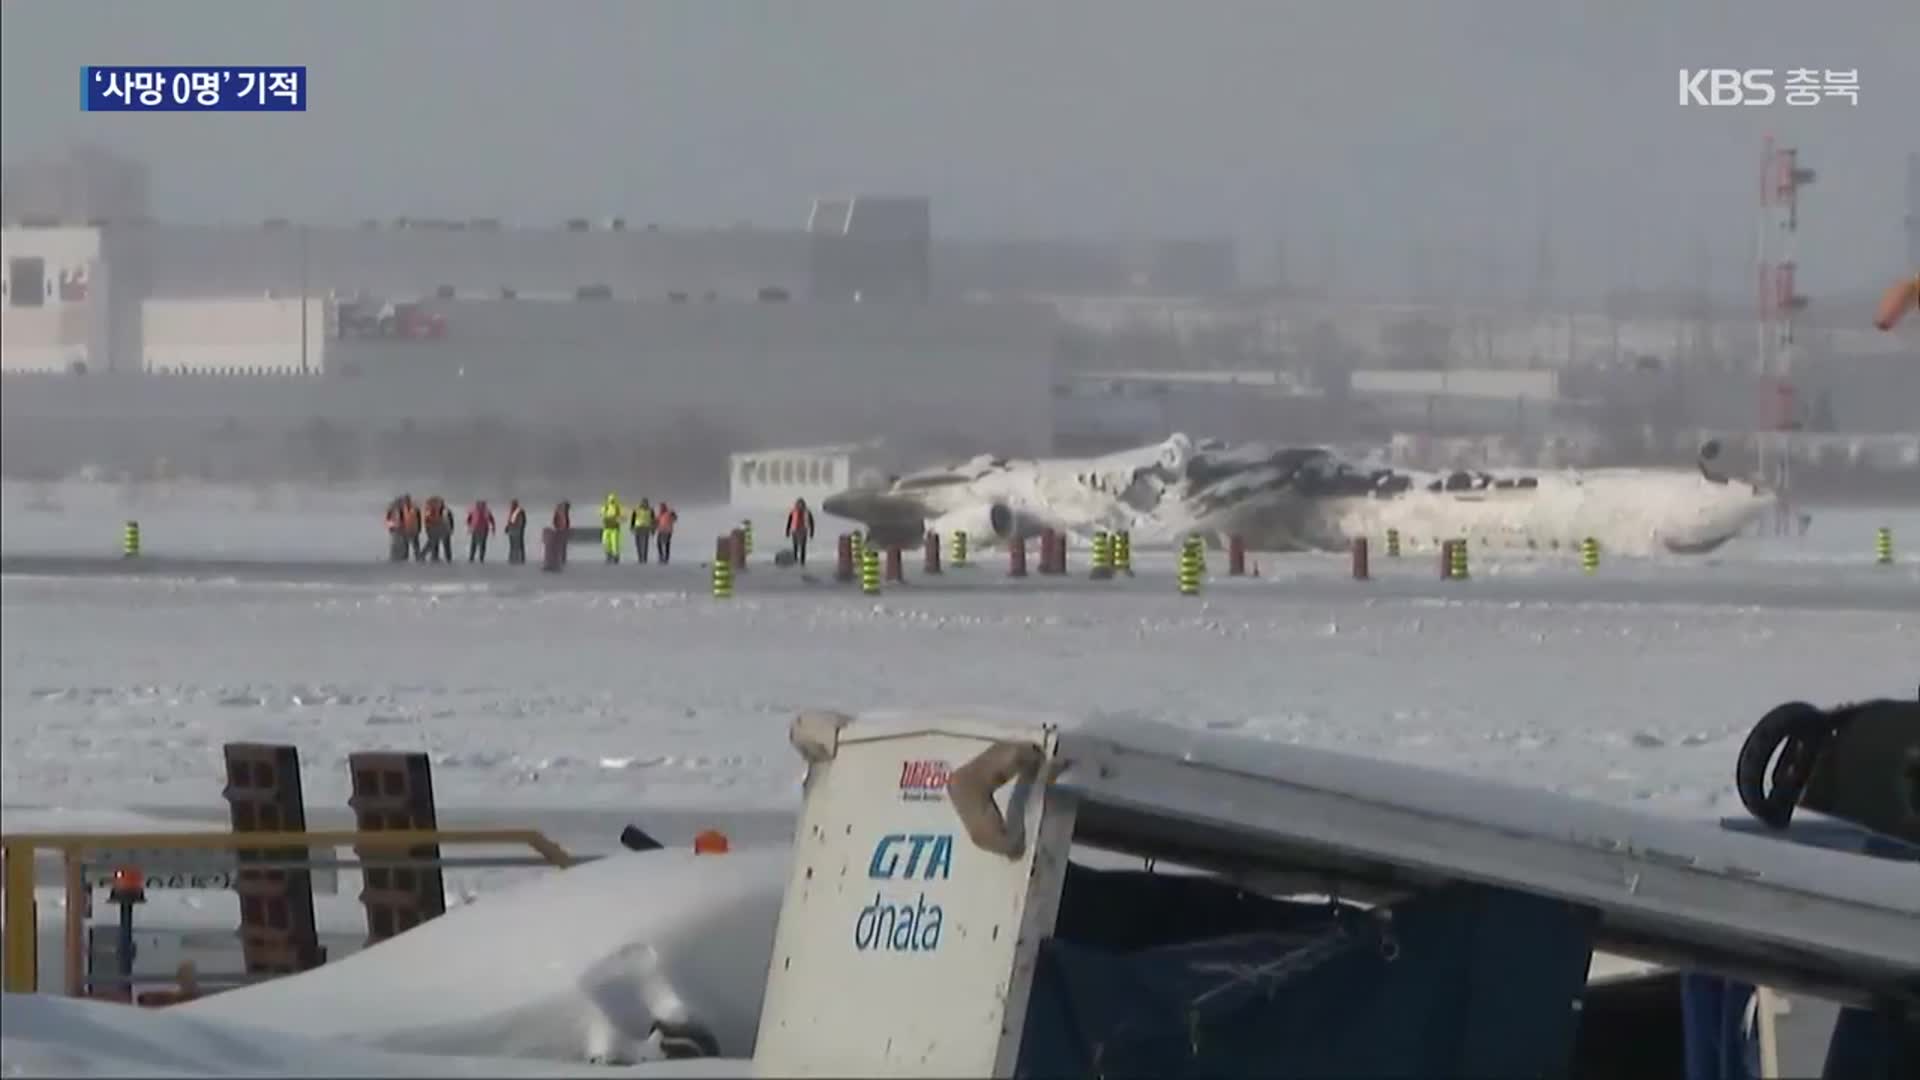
x: 772, y: 479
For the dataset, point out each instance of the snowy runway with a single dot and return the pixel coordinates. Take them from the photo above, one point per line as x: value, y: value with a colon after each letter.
x: 608, y: 692
x: 579, y: 702
x: 119, y: 692
x: 1280, y: 579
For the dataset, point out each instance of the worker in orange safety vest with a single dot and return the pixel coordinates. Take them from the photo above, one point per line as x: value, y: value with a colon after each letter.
x: 800, y: 529
x: 479, y: 529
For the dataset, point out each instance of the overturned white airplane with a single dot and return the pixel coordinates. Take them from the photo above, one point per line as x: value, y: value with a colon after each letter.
x: 1308, y: 498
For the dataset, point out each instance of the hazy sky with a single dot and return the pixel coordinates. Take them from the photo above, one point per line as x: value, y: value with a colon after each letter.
x: 1372, y: 122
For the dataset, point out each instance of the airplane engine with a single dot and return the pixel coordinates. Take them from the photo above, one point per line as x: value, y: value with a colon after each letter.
x: 997, y: 520
x: 1011, y: 524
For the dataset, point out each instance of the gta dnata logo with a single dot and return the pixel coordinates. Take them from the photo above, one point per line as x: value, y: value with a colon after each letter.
x: 895, y: 921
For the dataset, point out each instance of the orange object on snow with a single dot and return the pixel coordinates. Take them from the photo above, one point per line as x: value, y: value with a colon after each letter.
x: 711, y: 842
x: 1900, y: 300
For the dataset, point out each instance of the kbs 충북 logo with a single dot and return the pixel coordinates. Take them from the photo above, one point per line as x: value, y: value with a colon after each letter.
x: 1758, y: 86
x: 921, y: 781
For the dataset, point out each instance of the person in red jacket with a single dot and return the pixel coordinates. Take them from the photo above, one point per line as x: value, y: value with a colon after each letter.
x: 664, y: 517
x: 800, y: 529
x: 479, y: 528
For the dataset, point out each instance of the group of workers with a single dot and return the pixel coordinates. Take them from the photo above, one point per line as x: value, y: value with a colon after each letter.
x: 423, y: 532
x: 652, y: 527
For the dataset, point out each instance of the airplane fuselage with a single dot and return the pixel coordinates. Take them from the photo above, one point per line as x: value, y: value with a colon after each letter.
x: 1628, y: 511
x: 1280, y: 499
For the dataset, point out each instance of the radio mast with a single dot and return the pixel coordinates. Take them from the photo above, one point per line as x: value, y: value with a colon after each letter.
x: 1781, y: 178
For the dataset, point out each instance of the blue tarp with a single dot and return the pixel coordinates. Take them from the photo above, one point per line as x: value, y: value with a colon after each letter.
x: 1722, y: 1037
x: 1462, y: 981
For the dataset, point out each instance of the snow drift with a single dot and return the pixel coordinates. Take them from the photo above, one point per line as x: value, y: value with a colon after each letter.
x: 573, y: 966
x: 54, y: 1036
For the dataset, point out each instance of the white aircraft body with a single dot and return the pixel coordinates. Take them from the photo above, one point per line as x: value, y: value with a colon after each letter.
x: 1307, y: 498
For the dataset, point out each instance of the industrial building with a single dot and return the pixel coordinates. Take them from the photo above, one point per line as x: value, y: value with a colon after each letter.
x: 771, y: 479
x: 592, y: 344
x: 608, y: 346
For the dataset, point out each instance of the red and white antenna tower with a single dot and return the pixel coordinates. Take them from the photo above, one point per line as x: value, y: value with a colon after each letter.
x: 1781, y: 178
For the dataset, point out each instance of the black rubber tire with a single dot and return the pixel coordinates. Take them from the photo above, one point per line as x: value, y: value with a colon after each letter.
x: 1799, y: 732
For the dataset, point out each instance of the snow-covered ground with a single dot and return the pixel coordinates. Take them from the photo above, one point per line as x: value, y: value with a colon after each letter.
x: 580, y: 701
x: 619, y: 689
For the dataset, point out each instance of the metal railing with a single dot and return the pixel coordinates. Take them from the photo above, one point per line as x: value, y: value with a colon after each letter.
x: 19, y: 911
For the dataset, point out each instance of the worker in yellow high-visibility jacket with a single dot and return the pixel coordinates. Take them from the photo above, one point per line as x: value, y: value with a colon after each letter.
x: 610, y: 527
x: 642, y: 525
